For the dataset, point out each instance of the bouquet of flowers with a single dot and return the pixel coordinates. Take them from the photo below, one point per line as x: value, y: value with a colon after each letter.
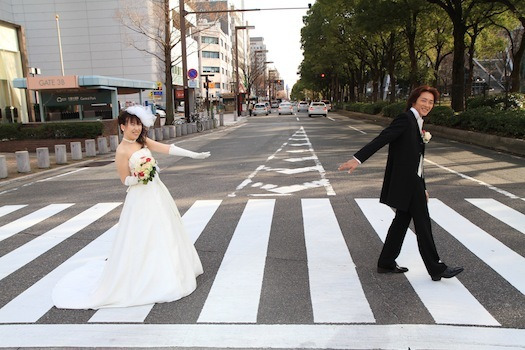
x: 426, y: 136
x: 145, y: 169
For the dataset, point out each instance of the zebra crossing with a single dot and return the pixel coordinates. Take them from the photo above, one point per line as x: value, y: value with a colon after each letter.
x: 335, y: 290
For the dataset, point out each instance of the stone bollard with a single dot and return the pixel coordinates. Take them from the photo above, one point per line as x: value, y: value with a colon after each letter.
x: 113, y: 142
x: 3, y: 167
x: 194, y: 127
x: 190, y: 128
x: 221, y: 119
x: 165, y: 132
x: 151, y: 134
x: 60, y: 154
x: 184, y: 129
x: 158, y: 134
x: 102, y: 145
x: 22, y: 161
x: 178, y: 130
x: 76, y: 150
x: 172, y: 131
x: 91, y: 149
x: 42, y: 157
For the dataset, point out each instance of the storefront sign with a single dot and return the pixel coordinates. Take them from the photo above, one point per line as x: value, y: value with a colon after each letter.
x: 54, y: 99
x: 52, y: 82
x: 179, y: 94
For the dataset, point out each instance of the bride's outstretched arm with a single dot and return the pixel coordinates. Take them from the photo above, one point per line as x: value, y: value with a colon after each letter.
x: 174, y: 150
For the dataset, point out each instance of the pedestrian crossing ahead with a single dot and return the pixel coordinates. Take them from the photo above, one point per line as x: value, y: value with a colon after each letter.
x: 336, y: 291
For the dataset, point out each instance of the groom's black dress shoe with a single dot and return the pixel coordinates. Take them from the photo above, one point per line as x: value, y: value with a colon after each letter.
x: 448, y: 273
x: 396, y: 269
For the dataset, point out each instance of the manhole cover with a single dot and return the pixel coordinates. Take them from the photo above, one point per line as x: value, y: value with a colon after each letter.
x: 99, y: 163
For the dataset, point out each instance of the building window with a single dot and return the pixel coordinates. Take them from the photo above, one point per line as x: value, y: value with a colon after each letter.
x: 210, y: 54
x: 211, y: 69
x: 209, y: 40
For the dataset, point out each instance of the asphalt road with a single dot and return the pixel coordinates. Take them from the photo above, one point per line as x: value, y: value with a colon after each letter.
x: 288, y: 244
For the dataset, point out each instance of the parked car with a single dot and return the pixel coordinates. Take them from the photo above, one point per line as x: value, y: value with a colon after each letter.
x: 317, y: 108
x: 275, y: 104
x: 260, y: 108
x: 285, y: 108
x: 302, y: 106
x: 328, y: 105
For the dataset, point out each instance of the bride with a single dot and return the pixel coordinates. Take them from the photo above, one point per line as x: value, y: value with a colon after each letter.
x: 152, y: 259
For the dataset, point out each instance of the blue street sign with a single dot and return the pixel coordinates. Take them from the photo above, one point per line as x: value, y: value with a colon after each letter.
x: 192, y: 73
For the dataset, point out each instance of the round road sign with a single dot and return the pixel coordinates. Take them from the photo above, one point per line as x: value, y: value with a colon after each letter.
x: 192, y: 73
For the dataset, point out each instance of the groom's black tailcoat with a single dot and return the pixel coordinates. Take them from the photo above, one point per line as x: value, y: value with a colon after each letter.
x: 404, y: 190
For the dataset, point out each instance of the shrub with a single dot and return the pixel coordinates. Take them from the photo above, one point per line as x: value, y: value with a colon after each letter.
x: 489, y: 120
x: 394, y: 109
x: 499, y: 101
x: 374, y: 108
x: 442, y: 115
x: 61, y: 130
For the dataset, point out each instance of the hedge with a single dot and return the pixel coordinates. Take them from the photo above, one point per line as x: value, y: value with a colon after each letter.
x: 500, y: 101
x: 61, y: 130
x: 394, y: 109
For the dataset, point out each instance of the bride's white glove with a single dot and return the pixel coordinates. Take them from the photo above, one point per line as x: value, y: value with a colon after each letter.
x: 131, y: 180
x: 177, y: 151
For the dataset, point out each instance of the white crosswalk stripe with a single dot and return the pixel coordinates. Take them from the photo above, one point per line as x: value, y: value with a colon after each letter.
x: 236, y: 291
x: 509, y: 264
x: 335, y: 290
x: 511, y: 217
x: 34, y: 218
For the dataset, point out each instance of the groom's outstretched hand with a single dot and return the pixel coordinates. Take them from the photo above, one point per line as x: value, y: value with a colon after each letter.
x: 349, y: 165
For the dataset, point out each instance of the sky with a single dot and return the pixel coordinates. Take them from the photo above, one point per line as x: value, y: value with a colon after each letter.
x: 281, y: 30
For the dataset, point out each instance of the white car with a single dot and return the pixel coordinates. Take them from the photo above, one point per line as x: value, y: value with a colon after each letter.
x: 328, y: 105
x: 260, y: 108
x: 302, y: 106
x: 285, y: 108
x: 317, y: 108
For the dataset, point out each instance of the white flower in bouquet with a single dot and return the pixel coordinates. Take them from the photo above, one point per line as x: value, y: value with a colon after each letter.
x: 145, y: 169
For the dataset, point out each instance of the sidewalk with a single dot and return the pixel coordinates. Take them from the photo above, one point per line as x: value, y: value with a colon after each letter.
x: 12, y: 170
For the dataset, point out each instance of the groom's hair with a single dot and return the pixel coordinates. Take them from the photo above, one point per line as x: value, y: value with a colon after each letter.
x: 414, y: 95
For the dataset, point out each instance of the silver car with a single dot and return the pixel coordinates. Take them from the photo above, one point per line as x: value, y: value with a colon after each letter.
x: 317, y: 108
x: 302, y: 106
x: 260, y: 108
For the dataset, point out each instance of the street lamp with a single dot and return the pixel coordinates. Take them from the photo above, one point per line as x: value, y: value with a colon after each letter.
x: 264, y: 80
x: 237, y: 99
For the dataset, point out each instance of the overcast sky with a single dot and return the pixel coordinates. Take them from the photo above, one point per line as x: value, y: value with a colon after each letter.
x: 281, y: 30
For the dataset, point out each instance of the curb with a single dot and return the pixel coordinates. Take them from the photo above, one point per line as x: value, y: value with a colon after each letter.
x: 495, y: 142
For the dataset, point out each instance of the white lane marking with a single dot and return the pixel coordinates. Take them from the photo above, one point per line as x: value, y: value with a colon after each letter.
x: 8, y: 209
x: 29, y: 220
x: 299, y: 135
x: 236, y: 291
x: 294, y: 171
x: 336, y: 292
x: 332, y: 119
x: 195, y: 220
x: 41, y: 244
x: 506, y: 262
x: 35, y: 301
x: 494, y: 188
x: 448, y: 301
x: 509, y: 216
x: 356, y: 129
x: 356, y: 337
x: 60, y: 175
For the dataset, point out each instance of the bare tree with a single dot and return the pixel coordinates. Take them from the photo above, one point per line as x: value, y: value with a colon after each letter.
x: 155, y: 31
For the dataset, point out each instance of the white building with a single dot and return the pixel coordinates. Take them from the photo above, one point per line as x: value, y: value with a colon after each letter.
x: 94, y: 40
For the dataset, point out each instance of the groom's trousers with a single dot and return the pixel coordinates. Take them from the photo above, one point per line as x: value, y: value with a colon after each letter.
x: 418, y: 212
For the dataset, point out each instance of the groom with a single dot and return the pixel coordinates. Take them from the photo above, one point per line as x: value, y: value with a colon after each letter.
x: 404, y: 185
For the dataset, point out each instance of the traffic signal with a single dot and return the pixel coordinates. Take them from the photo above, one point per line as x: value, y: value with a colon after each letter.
x: 322, y: 75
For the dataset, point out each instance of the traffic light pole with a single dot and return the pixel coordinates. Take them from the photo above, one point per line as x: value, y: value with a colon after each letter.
x: 182, y: 17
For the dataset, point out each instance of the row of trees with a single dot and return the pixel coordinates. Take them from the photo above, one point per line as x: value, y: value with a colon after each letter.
x: 350, y: 44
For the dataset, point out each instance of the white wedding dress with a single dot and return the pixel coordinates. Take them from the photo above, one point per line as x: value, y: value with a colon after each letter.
x: 152, y: 259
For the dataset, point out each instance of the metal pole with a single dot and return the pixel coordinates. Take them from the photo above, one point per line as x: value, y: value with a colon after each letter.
x: 237, y: 102
x: 182, y: 16
x: 60, y: 45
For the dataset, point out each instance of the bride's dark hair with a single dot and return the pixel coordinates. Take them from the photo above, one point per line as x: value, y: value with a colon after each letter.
x: 125, y: 117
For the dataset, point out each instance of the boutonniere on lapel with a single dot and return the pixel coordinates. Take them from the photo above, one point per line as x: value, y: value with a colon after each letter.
x: 426, y: 136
